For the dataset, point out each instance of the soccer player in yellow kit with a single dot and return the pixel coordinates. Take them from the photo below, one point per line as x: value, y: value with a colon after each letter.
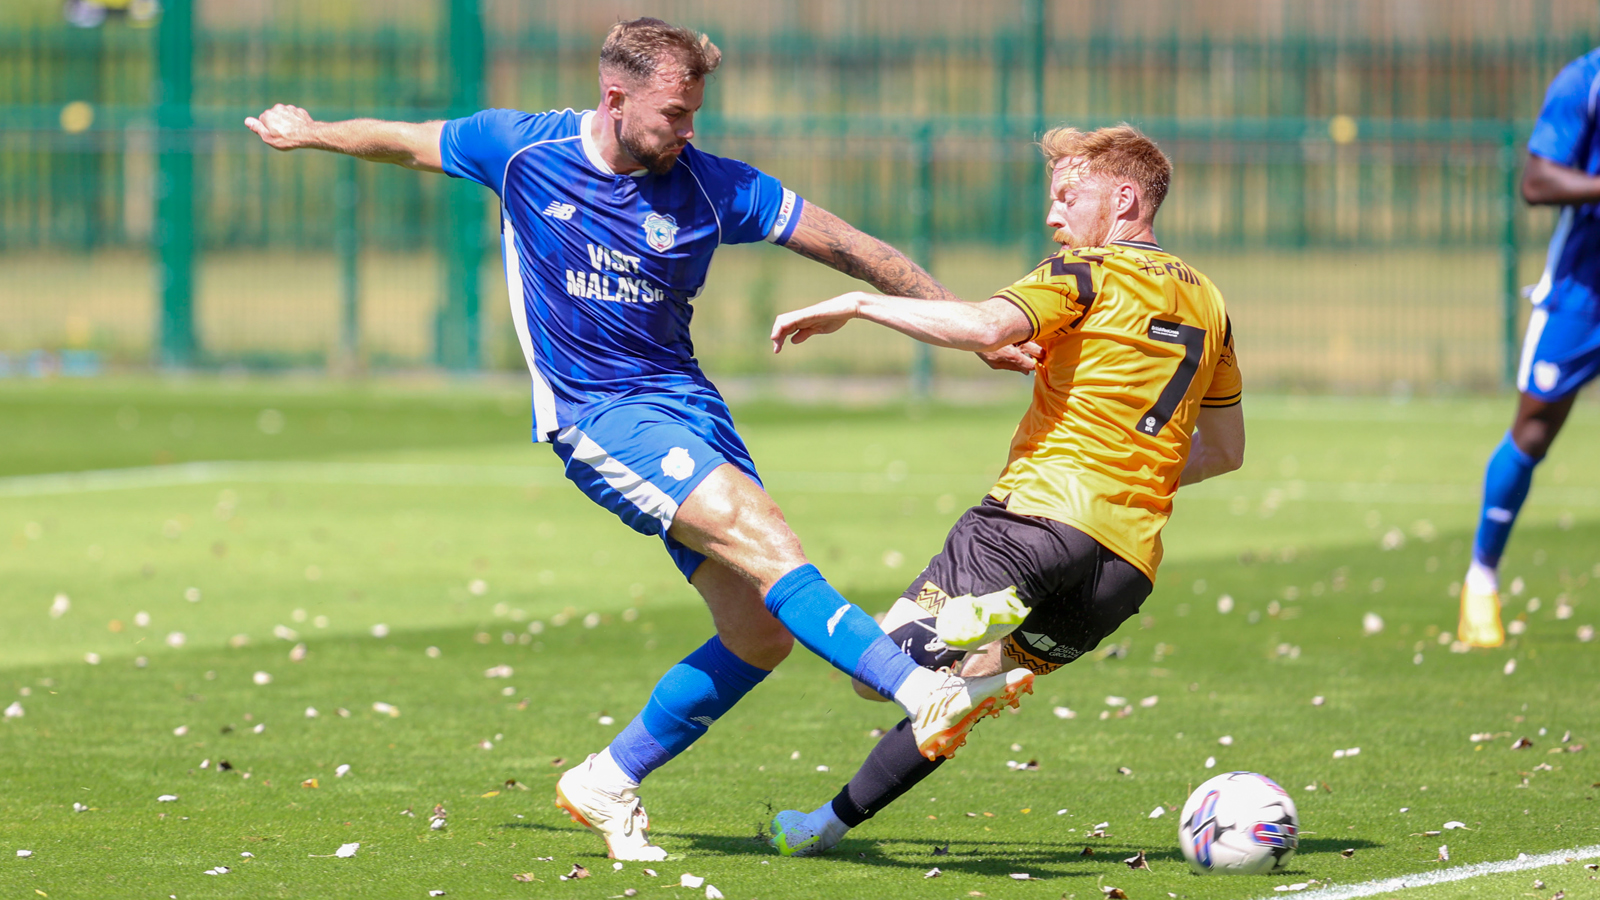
x: 1137, y: 391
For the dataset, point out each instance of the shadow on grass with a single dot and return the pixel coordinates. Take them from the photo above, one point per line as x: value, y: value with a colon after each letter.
x: 987, y: 858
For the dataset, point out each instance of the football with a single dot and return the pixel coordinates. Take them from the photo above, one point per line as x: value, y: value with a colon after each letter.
x: 1240, y: 823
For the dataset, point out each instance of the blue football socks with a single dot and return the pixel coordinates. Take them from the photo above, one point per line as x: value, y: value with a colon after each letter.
x: 693, y: 694
x: 830, y: 626
x: 1505, y: 486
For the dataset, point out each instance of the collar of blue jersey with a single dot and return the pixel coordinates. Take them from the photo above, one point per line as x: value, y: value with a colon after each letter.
x: 593, y: 152
x: 1142, y: 245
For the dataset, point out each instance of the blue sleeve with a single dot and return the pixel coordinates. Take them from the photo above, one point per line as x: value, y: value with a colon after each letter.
x: 478, y: 147
x: 1567, y: 120
x: 751, y: 205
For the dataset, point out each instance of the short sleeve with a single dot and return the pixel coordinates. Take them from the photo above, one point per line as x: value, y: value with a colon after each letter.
x: 478, y: 147
x: 751, y: 205
x: 1566, y: 120
x: 1227, y: 388
x: 1055, y: 296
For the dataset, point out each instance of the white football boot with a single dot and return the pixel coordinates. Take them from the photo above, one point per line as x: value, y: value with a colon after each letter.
x: 969, y: 622
x: 795, y: 833
x: 617, y: 815
x: 944, y: 717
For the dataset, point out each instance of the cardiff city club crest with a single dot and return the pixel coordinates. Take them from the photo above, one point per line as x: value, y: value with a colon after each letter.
x: 660, y: 232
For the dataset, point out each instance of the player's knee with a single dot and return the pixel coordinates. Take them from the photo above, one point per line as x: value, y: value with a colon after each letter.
x: 1533, y: 437
x: 867, y: 693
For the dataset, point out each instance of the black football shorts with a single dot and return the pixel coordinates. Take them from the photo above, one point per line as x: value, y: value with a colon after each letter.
x: 1077, y: 591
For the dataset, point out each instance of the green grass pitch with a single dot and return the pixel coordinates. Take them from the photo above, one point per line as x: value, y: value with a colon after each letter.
x: 425, y: 512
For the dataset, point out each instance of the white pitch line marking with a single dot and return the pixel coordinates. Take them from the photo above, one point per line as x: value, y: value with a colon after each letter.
x: 1445, y: 876
x: 448, y: 475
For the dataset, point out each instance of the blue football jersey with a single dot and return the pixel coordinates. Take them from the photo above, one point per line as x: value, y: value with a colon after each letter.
x: 602, y: 266
x: 1566, y: 135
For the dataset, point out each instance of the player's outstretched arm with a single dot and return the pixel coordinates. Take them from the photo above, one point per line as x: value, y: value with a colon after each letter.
x: 1218, y: 446
x: 832, y: 241
x: 955, y: 324
x: 413, y: 145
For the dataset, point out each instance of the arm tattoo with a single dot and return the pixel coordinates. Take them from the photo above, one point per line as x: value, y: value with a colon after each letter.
x: 830, y: 240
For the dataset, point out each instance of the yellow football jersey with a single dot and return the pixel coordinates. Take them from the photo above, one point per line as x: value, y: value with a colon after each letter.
x: 1135, y: 342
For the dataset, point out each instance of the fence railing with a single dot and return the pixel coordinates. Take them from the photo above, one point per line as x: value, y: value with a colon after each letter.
x: 1400, y: 153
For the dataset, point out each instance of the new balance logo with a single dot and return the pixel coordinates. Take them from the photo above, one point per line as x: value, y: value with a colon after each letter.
x: 559, y: 210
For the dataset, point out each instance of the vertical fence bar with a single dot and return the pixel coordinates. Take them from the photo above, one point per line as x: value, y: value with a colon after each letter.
x: 458, y: 339
x: 347, y: 238
x: 922, y: 225
x: 175, y: 226
x: 1511, y: 292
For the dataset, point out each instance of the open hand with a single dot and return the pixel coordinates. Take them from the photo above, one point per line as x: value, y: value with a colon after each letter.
x: 1023, y: 357
x: 282, y: 127
x: 820, y: 318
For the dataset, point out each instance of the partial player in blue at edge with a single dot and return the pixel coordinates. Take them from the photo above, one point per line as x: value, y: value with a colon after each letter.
x: 1561, y: 351
x: 609, y: 219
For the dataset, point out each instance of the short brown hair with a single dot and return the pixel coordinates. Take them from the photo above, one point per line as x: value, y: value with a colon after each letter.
x: 639, y: 48
x: 1121, y: 151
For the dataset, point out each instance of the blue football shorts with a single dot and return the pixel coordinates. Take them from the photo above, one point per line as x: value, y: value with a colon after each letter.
x: 1560, y: 353
x: 642, y: 456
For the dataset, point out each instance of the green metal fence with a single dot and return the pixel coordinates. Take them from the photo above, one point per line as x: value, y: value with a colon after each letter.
x: 1351, y: 190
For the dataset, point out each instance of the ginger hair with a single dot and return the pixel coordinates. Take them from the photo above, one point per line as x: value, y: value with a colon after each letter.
x: 1121, y: 152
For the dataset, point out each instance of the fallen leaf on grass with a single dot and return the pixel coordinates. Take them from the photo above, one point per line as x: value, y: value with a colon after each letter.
x: 514, y: 785
x: 1444, y: 853
x: 1137, y: 861
x: 526, y: 877
x: 1087, y: 851
x: 1114, y: 893
x: 576, y: 873
x: 650, y: 872
x: 1124, y: 770
x: 558, y: 761
x: 1347, y: 852
x: 309, y: 783
x: 1521, y: 743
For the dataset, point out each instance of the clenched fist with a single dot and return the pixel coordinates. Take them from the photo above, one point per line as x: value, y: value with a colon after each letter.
x: 283, y: 127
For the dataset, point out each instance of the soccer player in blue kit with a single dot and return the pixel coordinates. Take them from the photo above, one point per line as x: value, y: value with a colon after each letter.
x: 1561, y: 351
x: 609, y: 219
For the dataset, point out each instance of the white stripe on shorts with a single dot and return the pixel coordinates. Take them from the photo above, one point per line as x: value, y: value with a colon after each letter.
x: 649, y: 499
x: 1530, y: 346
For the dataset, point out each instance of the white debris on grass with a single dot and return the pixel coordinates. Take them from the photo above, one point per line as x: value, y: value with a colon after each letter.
x: 346, y: 851
x: 1063, y: 713
x: 59, y: 606
x: 1211, y: 762
x: 1158, y: 812
x: 1510, y: 666
x: 1226, y: 740
x: 387, y: 709
x: 380, y: 630
x: 691, y: 881
x: 24, y: 854
x: 15, y: 711
x: 1371, y: 624
x: 342, y: 771
x: 712, y: 893
x: 498, y: 672
x: 311, y: 712
x: 176, y: 639
x: 180, y: 731
x: 167, y: 798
